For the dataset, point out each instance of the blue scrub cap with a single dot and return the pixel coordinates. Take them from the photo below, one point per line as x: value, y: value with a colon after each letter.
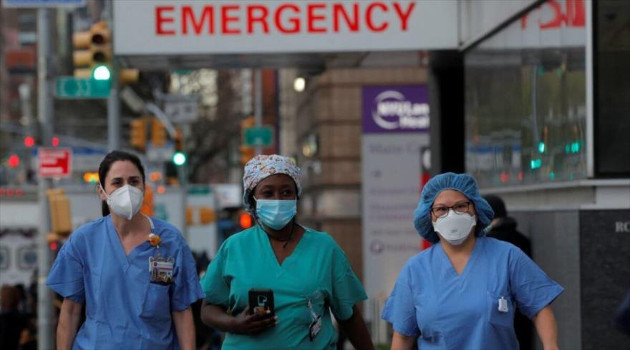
x: 463, y: 183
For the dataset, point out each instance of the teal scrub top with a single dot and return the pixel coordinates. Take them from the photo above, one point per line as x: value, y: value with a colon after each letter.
x: 124, y: 310
x: 317, y: 270
x: 474, y: 310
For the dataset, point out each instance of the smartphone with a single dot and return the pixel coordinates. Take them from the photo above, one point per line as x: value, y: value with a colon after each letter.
x: 261, y: 301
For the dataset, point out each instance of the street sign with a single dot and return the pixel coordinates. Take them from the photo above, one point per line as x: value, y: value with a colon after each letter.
x: 262, y: 136
x: 55, y: 162
x: 181, y: 109
x: 161, y: 153
x: 43, y: 3
x: 71, y: 88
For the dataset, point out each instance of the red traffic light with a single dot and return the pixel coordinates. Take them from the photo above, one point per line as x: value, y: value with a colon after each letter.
x: 55, y: 141
x: 29, y: 141
x: 14, y: 161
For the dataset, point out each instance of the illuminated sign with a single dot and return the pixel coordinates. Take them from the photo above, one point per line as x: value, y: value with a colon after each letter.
x: 241, y: 26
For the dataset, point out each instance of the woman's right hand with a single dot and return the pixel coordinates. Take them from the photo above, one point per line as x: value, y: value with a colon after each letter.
x: 244, y: 323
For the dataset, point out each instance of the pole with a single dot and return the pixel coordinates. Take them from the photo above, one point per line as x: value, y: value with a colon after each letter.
x: 183, y: 184
x: 113, y: 102
x: 258, y: 103
x: 182, y: 173
x: 45, y: 104
x: 113, y: 113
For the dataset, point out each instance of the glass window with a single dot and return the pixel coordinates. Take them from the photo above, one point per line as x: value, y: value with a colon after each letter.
x: 525, y: 107
x: 612, y: 72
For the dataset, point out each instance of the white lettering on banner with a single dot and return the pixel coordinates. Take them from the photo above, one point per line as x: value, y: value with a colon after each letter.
x: 242, y: 26
x: 410, y: 115
x: 621, y: 226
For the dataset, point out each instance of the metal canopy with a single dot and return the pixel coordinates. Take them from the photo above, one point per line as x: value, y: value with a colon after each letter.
x: 306, y: 61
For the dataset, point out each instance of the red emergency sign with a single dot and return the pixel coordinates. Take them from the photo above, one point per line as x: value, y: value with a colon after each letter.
x: 225, y: 18
x: 54, y: 162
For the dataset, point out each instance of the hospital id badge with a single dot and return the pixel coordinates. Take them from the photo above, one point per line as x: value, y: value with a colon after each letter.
x: 161, y: 270
x: 314, y: 328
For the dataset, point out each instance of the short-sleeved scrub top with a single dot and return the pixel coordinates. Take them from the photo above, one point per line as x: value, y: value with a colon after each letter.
x: 124, y: 309
x: 317, y: 271
x: 474, y: 310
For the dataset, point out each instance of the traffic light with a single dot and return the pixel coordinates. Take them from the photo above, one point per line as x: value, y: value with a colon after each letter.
x: 247, y: 153
x: 246, y: 123
x: 90, y: 177
x: 128, y: 76
x: 138, y: 133
x: 60, y: 218
x: 179, y: 140
x: 29, y: 141
x: 14, y: 161
x: 158, y: 133
x: 179, y: 158
x: 92, y: 53
x: 206, y: 215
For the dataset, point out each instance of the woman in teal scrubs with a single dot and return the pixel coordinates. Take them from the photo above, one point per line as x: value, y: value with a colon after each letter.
x: 463, y: 291
x: 135, y: 274
x: 307, y: 272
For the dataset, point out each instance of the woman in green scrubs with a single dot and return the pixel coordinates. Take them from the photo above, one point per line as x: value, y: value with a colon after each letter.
x: 308, y: 273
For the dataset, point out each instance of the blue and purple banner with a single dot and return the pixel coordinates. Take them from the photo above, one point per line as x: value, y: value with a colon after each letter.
x: 395, y: 109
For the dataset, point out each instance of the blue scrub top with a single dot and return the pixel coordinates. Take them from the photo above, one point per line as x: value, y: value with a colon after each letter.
x: 450, y: 311
x: 317, y: 270
x: 124, y: 310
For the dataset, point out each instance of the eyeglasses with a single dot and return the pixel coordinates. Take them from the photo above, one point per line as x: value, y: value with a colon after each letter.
x: 442, y: 210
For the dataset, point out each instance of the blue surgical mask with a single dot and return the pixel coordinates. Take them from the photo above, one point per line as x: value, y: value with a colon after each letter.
x: 275, y: 213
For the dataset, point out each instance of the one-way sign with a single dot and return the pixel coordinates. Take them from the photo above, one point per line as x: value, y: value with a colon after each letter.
x: 54, y: 162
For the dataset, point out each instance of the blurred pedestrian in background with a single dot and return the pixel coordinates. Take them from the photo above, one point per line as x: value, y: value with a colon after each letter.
x: 12, y: 321
x: 622, y: 315
x: 503, y: 228
x: 463, y: 291
x: 104, y: 266
x: 307, y: 272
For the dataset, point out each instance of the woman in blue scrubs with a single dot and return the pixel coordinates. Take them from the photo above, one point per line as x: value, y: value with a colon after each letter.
x: 305, y: 270
x: 463, y: 291
x: 135, y: 274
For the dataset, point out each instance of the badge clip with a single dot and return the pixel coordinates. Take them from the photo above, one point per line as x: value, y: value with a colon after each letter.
x: 503, y: 305
x: 316, y: 324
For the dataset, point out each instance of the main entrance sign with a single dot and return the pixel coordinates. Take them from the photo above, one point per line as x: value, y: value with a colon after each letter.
x: 274, y: 26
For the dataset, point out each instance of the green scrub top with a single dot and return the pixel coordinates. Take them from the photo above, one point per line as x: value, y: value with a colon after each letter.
x: 317, y: 270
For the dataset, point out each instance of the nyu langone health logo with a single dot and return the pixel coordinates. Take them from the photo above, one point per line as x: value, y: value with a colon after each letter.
x: 395, y: 109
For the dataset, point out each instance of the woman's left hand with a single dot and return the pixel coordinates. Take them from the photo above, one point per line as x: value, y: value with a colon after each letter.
x: 244, y: 323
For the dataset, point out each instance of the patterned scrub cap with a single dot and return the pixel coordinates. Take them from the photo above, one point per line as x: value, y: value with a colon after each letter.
x: 263, y: 166
x: 463, y: 183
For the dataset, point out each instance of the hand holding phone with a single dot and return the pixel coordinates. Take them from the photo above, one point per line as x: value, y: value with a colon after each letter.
x: 261, y: 301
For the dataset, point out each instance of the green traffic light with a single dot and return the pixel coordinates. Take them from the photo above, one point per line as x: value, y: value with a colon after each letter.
x: 535, y: 163
x: 179, y: 158
x: 101, y: 72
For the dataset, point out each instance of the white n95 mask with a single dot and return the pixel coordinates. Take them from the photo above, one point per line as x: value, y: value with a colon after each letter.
x: 455, y: 227
x: 125, y: 201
